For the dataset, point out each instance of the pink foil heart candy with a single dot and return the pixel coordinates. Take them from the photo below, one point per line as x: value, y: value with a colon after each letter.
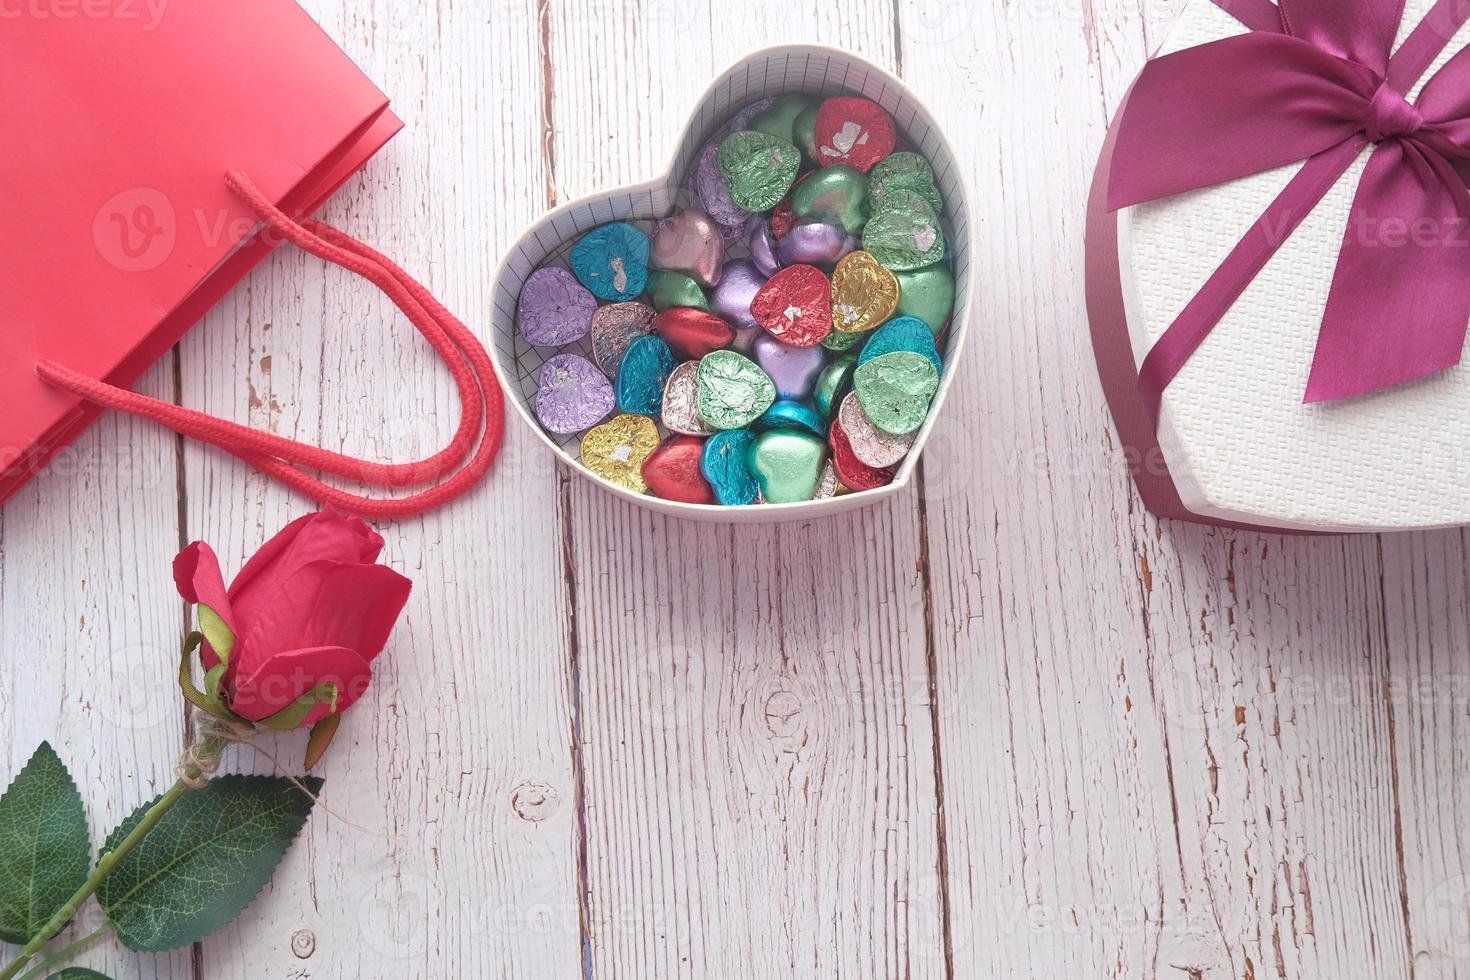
x: 614, y: 328
x: 690, y: 242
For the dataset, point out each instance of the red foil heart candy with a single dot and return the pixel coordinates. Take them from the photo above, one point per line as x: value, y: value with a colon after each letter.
x: 673, y: 473
x: 853, y: 131
x: 853, y: 472
x: 692, y: 333
x: 795, y: 306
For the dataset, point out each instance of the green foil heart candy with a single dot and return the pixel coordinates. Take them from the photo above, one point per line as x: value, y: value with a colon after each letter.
x: 804, y: 131
x: 758, y: 168
x: 895, y: 390
x: 928, y: 294
x: 669, y: 289
x: 836, y: 195
x: 780, y: 119
x: 833, y: 384
x: 903, y: 171
x: 731, y: 390
x: 904, y: 234
x: 787, y: 464
x: 839, y: 341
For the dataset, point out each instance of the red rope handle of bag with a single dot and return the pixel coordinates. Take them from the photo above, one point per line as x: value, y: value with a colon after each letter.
x: 482, y: 408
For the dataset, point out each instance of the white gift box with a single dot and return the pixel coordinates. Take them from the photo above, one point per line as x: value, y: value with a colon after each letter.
x: 1239, y: 444
x: 811, y: 69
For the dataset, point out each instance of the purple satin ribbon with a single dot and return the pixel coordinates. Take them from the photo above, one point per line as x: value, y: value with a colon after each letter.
x: 1314, y: 81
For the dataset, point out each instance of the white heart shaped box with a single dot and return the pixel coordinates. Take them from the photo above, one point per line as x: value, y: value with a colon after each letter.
x: 1240, y: 445
x: 812, y: 69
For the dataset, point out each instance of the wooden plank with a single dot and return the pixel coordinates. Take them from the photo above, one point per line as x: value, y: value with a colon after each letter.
x: 1424, y: 688
x: 456, y: 768
x: 754, y: 722
x: 1187, y: 782
x: 90, y: 626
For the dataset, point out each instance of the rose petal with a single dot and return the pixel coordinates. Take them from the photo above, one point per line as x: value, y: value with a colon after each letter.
x: 326, y: 603
x: 199, y: 580
x: 285, y: 676
x: 323, y: 536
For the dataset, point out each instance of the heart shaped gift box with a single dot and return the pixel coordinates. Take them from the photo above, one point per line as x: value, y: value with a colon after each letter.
x: 1239, y: 438
x: 805, y: 68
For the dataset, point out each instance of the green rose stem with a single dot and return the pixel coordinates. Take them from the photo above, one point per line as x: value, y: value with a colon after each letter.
x: 208, y: 749
x: 66, y: 952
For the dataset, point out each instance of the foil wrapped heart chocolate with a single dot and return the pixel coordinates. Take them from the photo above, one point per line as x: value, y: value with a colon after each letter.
x: 832, y: 145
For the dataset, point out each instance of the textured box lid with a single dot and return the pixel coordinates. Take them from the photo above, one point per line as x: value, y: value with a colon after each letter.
x: 1238, y: 440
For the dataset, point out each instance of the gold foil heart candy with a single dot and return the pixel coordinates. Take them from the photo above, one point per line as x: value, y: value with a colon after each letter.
x: 864, y: 294
x: 617, y: 449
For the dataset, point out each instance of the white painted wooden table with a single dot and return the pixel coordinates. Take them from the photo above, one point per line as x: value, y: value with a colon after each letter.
x: 1009, y: 726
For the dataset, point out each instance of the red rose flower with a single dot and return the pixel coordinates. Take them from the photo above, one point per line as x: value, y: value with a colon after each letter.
x: 311, y: 609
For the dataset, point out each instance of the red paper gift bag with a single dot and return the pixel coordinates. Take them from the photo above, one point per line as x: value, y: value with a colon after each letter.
x: 150, y: 160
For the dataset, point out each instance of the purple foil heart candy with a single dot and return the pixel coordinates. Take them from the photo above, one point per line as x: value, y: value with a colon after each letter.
x: 572, y: 395
x: 815, y: 244
x: 793, y: 369
x: 555, y: 309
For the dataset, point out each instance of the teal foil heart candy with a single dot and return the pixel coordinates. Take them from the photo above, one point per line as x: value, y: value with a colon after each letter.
x: 904, y: 232
x: 902, y: 333
x: 836, y: 195
x: 642, y: 375
x: 792, y: 415
x: 787, y: 464
x: 732, y: 390
x: 927, y: 294
x: 725, y: 464
x: 758, y: 168
x: 895, y: 390
x: 612, y: 261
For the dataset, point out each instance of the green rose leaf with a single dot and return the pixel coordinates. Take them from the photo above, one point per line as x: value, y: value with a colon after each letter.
x: 44, y: 845
x: 78, y: 973
x: 205, y: 861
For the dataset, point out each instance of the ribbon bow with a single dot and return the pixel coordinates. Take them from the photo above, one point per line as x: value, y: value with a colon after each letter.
x: 1314, y: 81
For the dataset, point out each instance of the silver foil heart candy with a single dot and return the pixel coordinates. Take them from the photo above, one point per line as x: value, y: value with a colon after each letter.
x: 681, y: 402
